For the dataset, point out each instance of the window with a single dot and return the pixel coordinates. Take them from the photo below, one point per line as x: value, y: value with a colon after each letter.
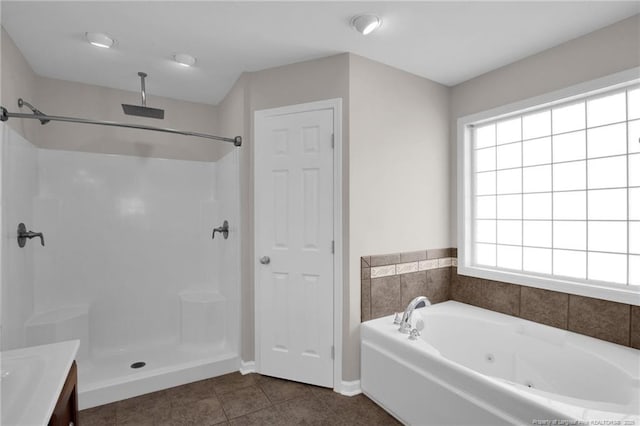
x: 551, y: 194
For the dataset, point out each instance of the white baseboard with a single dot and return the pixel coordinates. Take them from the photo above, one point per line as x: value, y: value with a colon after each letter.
x: 247, y: 367
x: 351, y: 388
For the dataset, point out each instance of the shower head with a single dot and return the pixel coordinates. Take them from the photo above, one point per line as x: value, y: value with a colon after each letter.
x: 143, y: 110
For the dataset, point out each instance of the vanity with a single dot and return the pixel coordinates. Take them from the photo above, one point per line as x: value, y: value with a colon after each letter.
x: 38, y: 385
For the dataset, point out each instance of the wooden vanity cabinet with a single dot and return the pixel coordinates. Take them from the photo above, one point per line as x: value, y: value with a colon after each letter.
x: 66, y: 411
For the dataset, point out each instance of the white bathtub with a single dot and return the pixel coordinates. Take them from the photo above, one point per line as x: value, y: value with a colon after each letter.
x: 474, y: 366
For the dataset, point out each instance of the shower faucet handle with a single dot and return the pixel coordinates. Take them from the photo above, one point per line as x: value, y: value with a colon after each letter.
x: 414, y: 334
x: 224, y: 230
x: 23, y: 234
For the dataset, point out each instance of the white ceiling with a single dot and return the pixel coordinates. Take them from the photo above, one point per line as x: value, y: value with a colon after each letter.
x: 448, y: 42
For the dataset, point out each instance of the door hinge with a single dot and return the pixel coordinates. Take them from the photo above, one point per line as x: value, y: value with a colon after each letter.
x: 333, y: 140
x: 333, y: 247
x: 333, y: 352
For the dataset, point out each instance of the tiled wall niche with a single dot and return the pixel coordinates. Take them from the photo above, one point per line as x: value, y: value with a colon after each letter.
x: 389, y: 282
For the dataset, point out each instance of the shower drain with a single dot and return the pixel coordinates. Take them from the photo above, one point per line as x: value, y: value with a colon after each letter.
x: 138, y: 364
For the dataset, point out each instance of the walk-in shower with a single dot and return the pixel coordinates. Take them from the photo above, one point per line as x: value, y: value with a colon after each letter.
x: 129, y: 266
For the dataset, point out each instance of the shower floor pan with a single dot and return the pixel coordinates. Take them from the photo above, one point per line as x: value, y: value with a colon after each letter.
x: 108, y: 376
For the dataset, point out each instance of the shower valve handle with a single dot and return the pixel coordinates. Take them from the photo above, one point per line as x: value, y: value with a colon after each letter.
x: 23, y: 234
x: 224, y: 230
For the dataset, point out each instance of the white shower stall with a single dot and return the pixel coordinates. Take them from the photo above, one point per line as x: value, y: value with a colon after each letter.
x: 129, y: 266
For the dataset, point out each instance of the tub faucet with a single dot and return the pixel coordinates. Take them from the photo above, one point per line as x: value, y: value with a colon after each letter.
x: 405, y: 322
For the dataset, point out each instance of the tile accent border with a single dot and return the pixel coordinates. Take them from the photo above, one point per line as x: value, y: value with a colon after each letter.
x: 390, y: 281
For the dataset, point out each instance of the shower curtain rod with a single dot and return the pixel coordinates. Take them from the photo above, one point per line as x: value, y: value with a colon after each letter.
x: 44, y: 119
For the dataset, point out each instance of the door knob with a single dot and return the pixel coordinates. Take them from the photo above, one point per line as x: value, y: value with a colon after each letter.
x: 265, y: 260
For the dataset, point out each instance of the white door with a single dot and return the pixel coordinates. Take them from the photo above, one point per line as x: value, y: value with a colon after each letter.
x: 294, y: 247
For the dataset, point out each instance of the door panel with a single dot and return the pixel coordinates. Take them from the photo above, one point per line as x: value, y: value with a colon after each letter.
x: 294, y: 228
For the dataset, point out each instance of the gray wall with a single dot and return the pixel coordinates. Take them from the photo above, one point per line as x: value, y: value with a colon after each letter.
x: 606, y: 51
x: 58, y: 97
x: 399, y: 175
x: 17, y: 79
x: 395, y: 143
x: 302, y: 82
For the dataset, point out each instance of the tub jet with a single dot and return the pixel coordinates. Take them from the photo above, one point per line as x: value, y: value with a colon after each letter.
x: 138, y: 364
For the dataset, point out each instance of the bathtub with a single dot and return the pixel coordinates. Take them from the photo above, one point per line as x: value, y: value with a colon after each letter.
x: 473, y: 366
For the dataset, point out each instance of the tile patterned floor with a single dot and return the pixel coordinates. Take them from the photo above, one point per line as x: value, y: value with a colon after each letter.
x: 234, y: 399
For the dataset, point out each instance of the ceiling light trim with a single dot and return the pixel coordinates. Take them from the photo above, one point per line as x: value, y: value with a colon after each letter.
x: 100, y: 40
x: 366, y: 24
x: 184, y: 59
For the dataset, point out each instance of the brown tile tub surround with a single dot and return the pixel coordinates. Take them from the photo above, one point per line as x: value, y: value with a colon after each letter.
x: 383, y: 296
x: 234, y: 399
x: 615, y: 322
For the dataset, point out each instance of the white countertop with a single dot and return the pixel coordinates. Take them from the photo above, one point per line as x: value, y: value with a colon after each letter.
x: 31, y: 381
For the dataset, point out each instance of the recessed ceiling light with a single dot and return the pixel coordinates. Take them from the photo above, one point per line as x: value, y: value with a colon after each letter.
x: 366, y: 24
x: 100, y: 40
x: 184, y: 59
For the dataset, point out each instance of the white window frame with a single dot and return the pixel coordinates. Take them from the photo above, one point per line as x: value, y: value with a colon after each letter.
x: 629, y: 294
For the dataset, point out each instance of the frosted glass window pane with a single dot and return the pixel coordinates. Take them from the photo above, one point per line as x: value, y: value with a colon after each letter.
x: 485, y: 136
x: 510, y: 181
x: 607, y: 140
x: 634, y: 136
x: 608, y: 172
x: 536, y: 206
x: 536, y: 234
x: 486, y: 207
x: 634, y: 237
x: 509, y: 257
x: 634, y: 203
x: 536, y: 151
x: 509, y: 232
x: 510, y: 155
x: 570, y: 205
x: 633, y: 100
x: 634, y: 170
x: 509, y: 206
x: 536, y: 125
x: 485, y: 159
x: 570, y: 263
x: 537, y: 260
x: 606, y: 109
x: 485, y: 254
x: 536, y: 179
x: 608, y: 267
x: 486, y: 231
x: 508, y: 131
x: 568, y: 118
x: 569, y: 146
x: 569, y: 176
x: 634, y: 270
x: 486, y: 183
x: 570, y: 235
x: 608, y: 236
x: 608, y: 204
